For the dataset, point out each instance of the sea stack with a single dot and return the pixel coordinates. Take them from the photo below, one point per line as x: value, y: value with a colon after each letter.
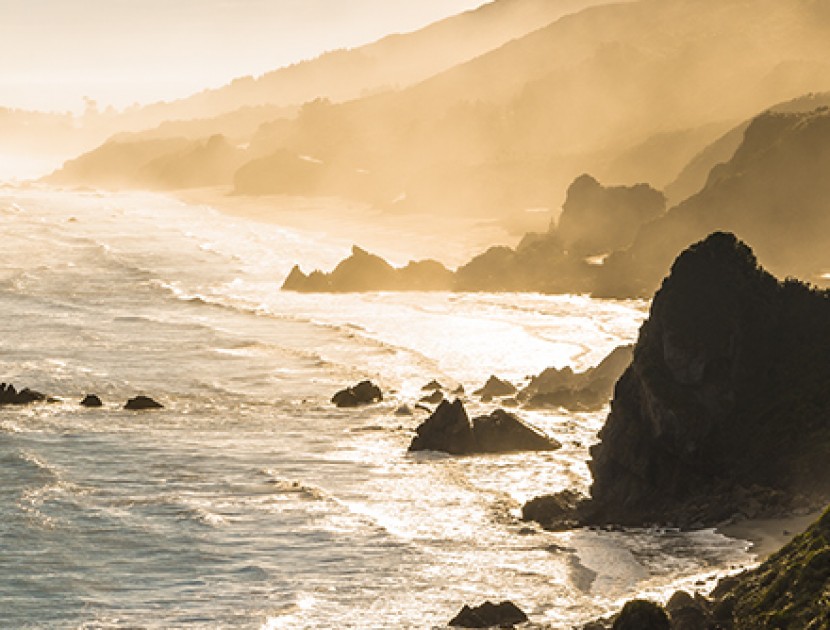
x: 724, y: 411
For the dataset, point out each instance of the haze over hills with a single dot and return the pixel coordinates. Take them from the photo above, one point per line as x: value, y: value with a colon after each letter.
x: 237, y: 109
x: 629, y: 92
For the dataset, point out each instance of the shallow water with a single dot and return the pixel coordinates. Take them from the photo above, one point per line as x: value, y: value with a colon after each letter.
x: 249, y: 501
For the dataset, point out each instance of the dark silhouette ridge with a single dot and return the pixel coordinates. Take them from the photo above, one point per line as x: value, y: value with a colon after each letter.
x: 723, y: 410
x: 363, y: 271
x: 553, y: 262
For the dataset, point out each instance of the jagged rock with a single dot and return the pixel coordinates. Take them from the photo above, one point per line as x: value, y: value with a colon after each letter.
x: 554, y: 511
x: 91, y: 400
x: 432, y: 386
x: 364, y: 393
x: 403, y: 410
x: 363, y: 271
x: 489, y: 615
x: 142, y: 403
x: 640, y: 614
x: 10, y: 396
x: 434, y: 398
x: 724, y: 407
x: 584, y: 391
x: 495, y: 387
x: 688, y: 613
x: 503, y: 432
x: 459, y: 391
x: 449, y: 430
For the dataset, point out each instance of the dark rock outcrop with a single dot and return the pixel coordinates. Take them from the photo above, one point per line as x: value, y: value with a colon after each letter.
x: 142, y: 403
x: 434, y: 398
x: 91, y: 400
x: 583, y: 391
x: 554, y: 512
x: 502, y: 432
x: 363, y: 271
x: 489, y: 615
x: 11, y: 396
x: 724, y: 409
x: 495, y: 387
x: 449, y: 430
x: 432, y: 386
x: 364, y: 393
x: 640, y: 614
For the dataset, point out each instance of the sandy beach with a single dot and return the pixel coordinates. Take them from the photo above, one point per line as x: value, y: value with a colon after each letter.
x: 398, y: 237
x: 768, y: 535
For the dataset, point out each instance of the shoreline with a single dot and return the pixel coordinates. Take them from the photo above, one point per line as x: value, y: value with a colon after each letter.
x: 766, y: 536
x: 396, y: 237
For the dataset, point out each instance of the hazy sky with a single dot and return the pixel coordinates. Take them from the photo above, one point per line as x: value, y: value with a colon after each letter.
x: 55, y: 52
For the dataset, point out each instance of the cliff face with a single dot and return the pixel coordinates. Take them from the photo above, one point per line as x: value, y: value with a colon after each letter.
x: 725, y: 408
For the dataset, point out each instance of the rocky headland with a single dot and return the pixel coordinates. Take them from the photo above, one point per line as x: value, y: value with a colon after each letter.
x: 723, y: 411
x: 619, y: 241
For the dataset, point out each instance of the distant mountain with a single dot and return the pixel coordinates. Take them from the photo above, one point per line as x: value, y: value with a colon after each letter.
x: 628, y: 91
x: 693, y: 176
x: 393, y: 62
x: 511, y: 128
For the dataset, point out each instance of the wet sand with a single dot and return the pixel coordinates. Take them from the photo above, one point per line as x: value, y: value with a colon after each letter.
x: 768, y: 535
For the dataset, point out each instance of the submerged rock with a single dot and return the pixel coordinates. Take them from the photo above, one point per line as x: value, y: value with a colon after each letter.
x: 10, y: 396
x: 91, y: 400
x: 495, y: 387
x: 364, y: 393
x: 449, y: 430
x: 142, y: 403
x: 489, y: 615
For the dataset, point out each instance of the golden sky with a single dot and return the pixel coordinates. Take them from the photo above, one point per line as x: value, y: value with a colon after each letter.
x: 53, y: 53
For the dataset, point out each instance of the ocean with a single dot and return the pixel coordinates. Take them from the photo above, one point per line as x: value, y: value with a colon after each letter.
x: 250, y: 501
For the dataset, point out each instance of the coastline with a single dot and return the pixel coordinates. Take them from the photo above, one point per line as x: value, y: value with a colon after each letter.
x: 766, y: 536
x: 397, y: 237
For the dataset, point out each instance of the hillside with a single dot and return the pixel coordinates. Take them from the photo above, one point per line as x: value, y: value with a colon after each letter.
x: 774, y: 192
x: 510, y: 129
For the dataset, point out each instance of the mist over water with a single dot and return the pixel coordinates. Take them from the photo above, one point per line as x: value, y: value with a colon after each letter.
x: 250, y: 501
